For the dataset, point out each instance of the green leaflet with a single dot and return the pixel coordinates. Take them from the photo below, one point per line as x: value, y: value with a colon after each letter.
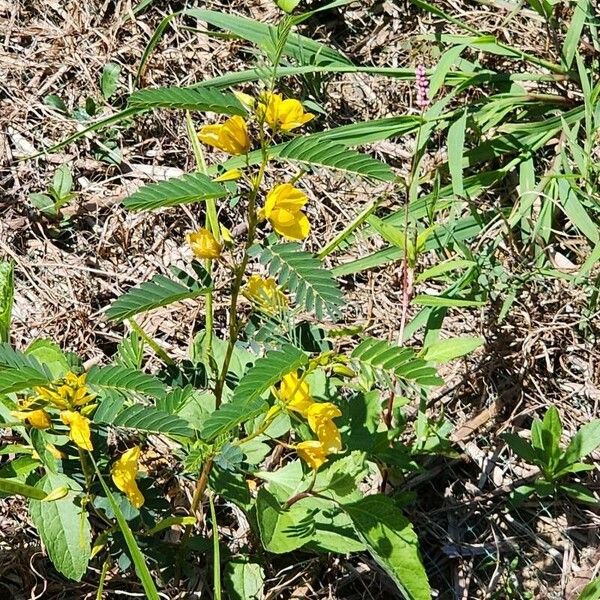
x: 201, y: 99
x: 303, y: 275
x: 63, y: 526
x: 124, y: 379
x: 390, y: 538
x: 247, y: 401
x: 194, y: 187
x: 402, y: 362
x: 321, y: 153
x: 160, y: 291
x: 152, y: 420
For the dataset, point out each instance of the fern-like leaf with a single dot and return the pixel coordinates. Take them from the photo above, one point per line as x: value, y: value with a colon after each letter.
x: 321, y: 153
x: 401, y: 362
x: 160, y: 291
x: 203, y: 99
x: 303, y: 274
x: 19, y: 371
x: 246, y: 402
x: 124, y: 379
x: 193, y: 187
x: 152, y: 420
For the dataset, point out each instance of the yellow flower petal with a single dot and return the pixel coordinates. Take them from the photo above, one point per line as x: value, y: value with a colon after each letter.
x: 204, y: 244
x: 124, y: 472
x: 292, y: 115
x: 79, y: 428
x: 39, y: 419
x: 291, y: 225
x: 231, y: 136
x: 320, y: 415
x: 295, y: 394
x: 313, y: 453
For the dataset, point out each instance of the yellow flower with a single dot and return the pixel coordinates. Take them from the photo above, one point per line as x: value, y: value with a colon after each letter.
x: 39, y: 418
x: 69, y: 392
x: 265, y: 294
x: 320, y: 415
x: 231, y: 136
x: 124, y: 471
x: 282, y: 114
x: 283, y: 209
x: 313, y: 453
x: 204, y: 244
x: 295, y: 394
x: 79, y: 427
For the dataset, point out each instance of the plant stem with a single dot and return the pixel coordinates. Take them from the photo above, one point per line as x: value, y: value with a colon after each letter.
x: 216, y: 552
x: 152, y: 343
x: 212, y: 224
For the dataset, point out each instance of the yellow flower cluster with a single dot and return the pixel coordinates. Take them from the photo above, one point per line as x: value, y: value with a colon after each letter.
x: 295, y: 394
x: 69, y: 395
x: 281, y: 114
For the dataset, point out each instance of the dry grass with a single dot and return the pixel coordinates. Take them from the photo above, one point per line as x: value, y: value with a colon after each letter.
x: 474, y: 547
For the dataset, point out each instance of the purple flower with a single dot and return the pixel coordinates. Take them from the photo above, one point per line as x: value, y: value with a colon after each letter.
x: 422, y: 87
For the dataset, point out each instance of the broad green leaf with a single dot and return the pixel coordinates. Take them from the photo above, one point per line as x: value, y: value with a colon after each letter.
x: 6, y: 298
x: 159, y: 291
x: 550, y: 432
x: 109, y: 80
x: 303, y: 275
x: 50, y: 355
x: 244, y: 580
x: 443, y: 351
x: 197, y: 98
x: 521, y: 447
x: 402, y: 362
x: 579, y: 492
x: 321, y: 153
x: 584, y: 442
x: 313, y: 521
x: 193, y: 187
x: 63, y: 526
x: 390, y: 538
x: 124, y: 379
x: 246, y: 401
x: 62, y: 182
x: 152, y: 420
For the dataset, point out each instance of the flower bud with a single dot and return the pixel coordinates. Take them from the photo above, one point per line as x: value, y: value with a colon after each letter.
x: 203, y: 244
